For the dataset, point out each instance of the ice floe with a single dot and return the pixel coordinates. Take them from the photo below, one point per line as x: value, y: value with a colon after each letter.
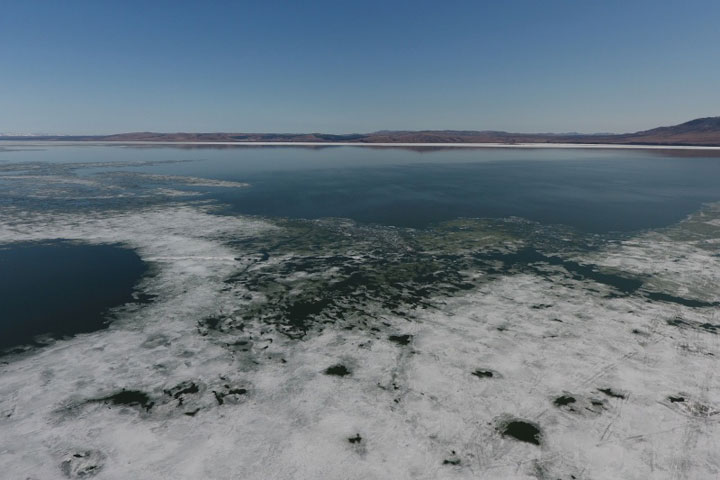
x: 326, y: 349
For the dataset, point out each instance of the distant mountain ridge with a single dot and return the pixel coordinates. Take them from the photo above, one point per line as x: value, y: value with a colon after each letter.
x: 698, y: 132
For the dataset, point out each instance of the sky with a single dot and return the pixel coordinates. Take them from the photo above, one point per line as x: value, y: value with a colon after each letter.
x: 94, y: 67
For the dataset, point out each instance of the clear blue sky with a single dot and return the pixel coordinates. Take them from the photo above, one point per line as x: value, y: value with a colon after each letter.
x: 104, y: 66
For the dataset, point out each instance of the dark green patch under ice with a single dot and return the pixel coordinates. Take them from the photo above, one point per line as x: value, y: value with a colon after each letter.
x: 312, y: 274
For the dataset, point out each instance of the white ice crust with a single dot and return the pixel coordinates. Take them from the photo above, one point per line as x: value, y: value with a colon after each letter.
x: 414, y: 406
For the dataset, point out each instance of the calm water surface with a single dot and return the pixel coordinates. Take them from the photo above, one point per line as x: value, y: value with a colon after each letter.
x: 61, y: 288
x: 591, y: 190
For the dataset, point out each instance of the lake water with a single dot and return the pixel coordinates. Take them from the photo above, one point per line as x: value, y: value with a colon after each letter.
x: 60, y: 289
x: 287, y: 312
x: 592, y: 190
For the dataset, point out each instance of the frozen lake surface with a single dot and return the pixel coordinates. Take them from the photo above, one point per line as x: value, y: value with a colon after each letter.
x: 346, y: 312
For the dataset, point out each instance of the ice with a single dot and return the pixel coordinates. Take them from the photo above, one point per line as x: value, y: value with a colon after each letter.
x: 236, y: 397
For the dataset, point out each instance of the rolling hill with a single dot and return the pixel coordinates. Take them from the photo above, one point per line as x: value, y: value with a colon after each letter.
x: 698, y: 132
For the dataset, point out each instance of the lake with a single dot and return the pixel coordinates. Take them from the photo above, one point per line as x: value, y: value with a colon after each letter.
x: 391, y: 312
x: 592, y: 190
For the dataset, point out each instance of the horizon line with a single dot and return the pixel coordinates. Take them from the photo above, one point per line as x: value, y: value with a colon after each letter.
x: 443, y: 130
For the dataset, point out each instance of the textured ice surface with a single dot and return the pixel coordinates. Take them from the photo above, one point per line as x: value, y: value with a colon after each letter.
x: 324, y: 349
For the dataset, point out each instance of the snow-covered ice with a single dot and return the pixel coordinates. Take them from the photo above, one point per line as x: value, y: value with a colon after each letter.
x: 451, y: 342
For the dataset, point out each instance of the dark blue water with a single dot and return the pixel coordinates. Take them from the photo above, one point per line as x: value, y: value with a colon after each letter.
x: 61, y: 289
x: 602, y: 197
x: 591, y: 190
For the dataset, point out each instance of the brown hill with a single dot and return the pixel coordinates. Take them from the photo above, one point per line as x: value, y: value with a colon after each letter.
x: 700, y: 132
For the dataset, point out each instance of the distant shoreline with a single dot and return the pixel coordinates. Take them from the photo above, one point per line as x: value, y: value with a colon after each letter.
x: 16, y: 143
x: 701, y: 132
